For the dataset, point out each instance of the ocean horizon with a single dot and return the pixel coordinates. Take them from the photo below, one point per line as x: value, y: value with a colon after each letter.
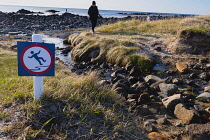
x: 81, y: 12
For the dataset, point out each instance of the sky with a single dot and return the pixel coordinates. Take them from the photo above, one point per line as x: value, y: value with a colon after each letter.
x: 198, y: 7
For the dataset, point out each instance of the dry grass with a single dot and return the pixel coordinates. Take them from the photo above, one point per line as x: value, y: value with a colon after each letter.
x: 73, y: 107
x: 157, y: 27
x: 132, y: 27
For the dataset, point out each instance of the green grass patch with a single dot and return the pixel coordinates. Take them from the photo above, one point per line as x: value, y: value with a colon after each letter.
x: 197, y: 30
x: 145, y: 65
x: 12, y: 87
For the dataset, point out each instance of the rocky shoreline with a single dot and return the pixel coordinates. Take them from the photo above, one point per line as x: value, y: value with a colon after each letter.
x: 25, y: 24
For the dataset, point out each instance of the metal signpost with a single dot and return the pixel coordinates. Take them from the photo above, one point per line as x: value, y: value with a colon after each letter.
x: 36, y: 59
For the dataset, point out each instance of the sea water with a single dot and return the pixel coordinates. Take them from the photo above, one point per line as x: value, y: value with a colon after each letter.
x: 81, y: 12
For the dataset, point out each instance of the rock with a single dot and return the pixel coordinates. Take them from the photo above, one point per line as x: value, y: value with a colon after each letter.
x: 178, y: 123
x: 156, y: 136
x: 151, y: 79
x: 151, y: 120
x: 156, y: 84
x: 133, y: 96
x: 157, y: 49
x: 162, y: 121
x: 208, y: 109
x: 105, y: 66
x: 208, y: 66
x: 148, y: 126
x: 66, y: 50
x: 52, y: 11
x: 172, y: 101
x: 107, y: 76
x: 132, y: 79
x: 168, y: 89
x: 6, y: 31
x: 199, y: 131
x: 198, y: 107
x: 162, y: 95
x: 204, y: 97
x: 128, y: 67
x: 193, y: 75
x: 205, y: 117
x: 103, y: 82
x: 197, y: 67
x: 135, y: 72
x: 65, y: 41
x: 181, y: 67
x: 204, y: 76
x: 119, y: 72
x: 185, y: 115
x: 115, y: 79
x: 177, y: 81
x: 203, y: 60
x: 207, y: 89
x: 144, y: 98
x: 142, y: 87
x: 122, y: 91
x: 119, y: 84
x: 94, y: 54
x: 24, y: 11
x: 132, y: 91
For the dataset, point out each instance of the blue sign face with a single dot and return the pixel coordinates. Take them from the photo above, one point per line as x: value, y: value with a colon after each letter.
x: 36, y: 59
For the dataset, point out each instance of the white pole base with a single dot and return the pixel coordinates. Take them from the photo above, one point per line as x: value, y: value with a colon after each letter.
x: 38, y: 87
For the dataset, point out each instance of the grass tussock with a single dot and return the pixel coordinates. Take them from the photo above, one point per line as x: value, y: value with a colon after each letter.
x: 119, y: 55
x: 70, y: 104
x: 106, y: 49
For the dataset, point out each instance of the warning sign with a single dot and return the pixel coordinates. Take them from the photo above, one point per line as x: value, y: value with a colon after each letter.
x: 36, y: 59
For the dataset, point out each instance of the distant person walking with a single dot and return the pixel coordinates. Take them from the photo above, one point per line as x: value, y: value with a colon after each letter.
x: 93, y: 13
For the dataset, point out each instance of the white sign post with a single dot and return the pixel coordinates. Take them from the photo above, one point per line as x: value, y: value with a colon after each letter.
x: 38, y: 80
x: 36, y: 59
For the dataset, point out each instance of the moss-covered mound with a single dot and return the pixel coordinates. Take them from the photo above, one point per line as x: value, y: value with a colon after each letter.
x: 98, y: 49
x: 193, y: 36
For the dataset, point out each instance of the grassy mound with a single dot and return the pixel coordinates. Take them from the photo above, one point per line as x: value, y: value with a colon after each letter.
x: 102, y: 49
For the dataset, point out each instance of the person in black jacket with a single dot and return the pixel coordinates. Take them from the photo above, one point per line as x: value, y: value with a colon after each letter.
x: 93, y: 13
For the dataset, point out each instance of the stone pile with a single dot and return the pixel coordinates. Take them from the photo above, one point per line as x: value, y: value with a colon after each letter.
x: 176, y: 98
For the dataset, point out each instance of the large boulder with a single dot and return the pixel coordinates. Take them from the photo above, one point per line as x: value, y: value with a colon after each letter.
x: 152, y: 79
x: 156, y: 136
x: 181, y: 67
x: 207, y: 89
x: 187, y: 116
x: 168, y: 89
x: 204, y: 97
x: 172, y: 101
